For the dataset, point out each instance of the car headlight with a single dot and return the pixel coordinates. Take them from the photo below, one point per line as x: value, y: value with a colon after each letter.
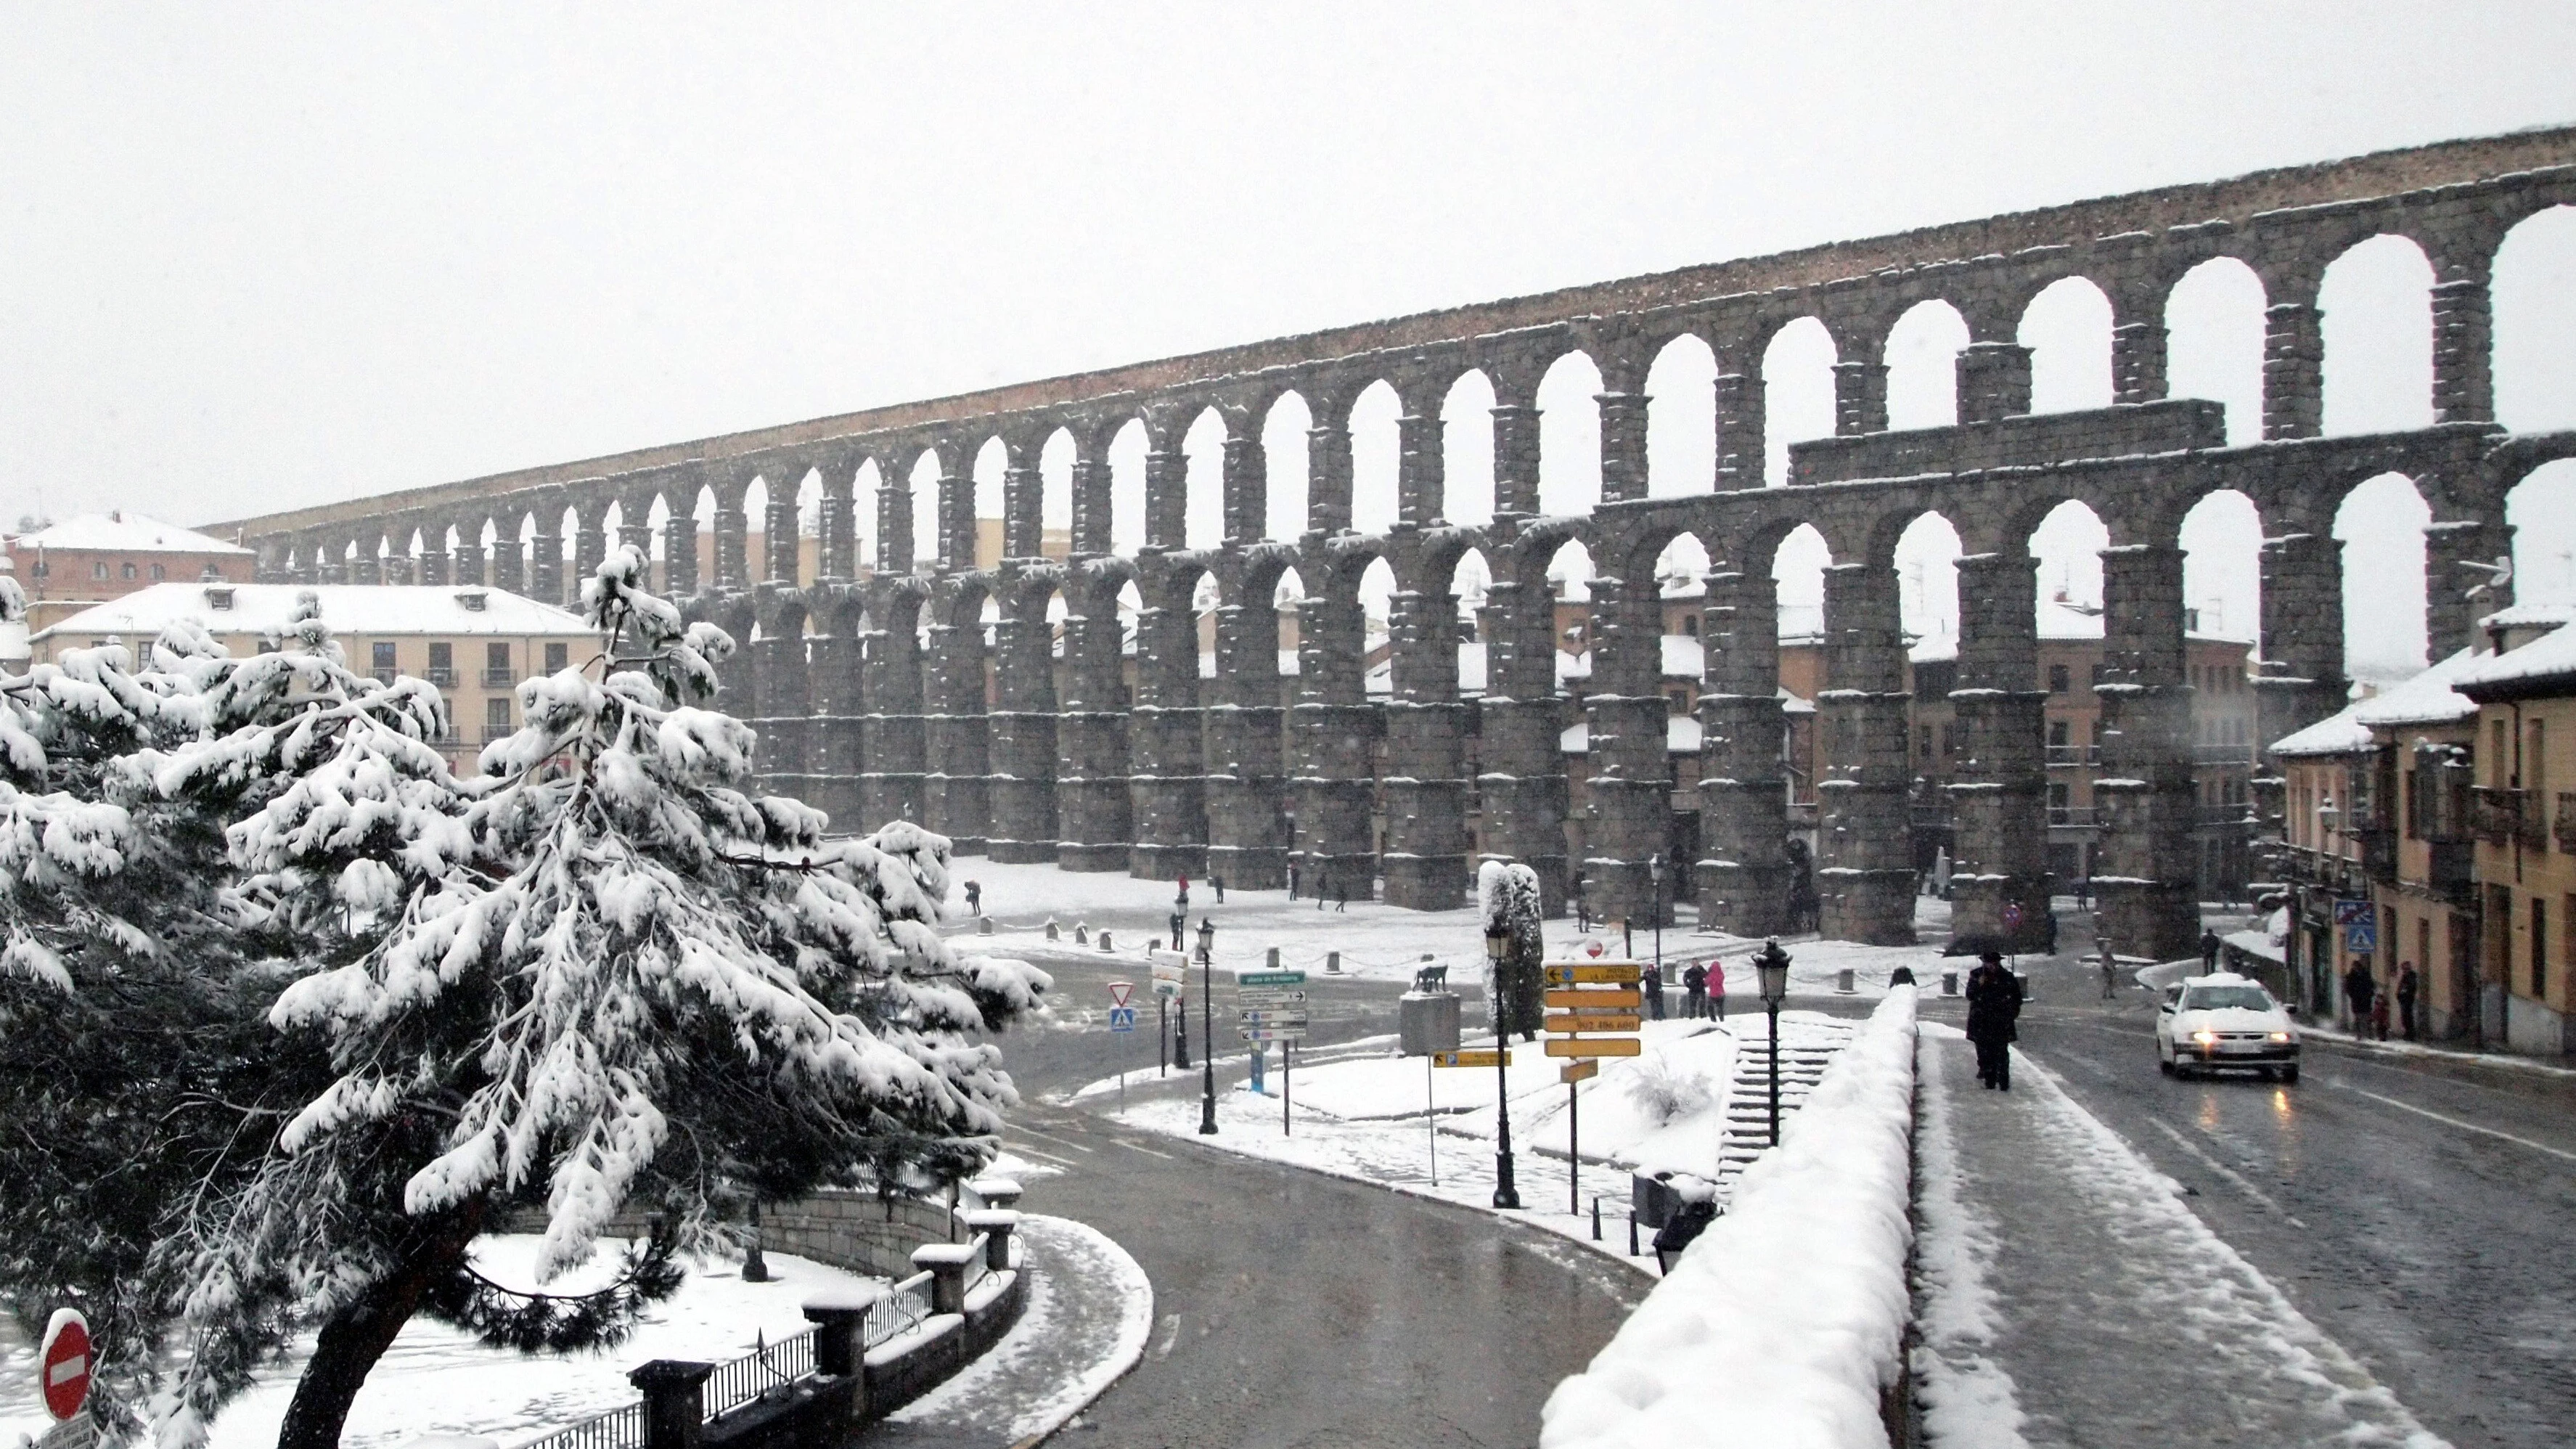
x: 2280, y: 1036
x: 2205, y: 1037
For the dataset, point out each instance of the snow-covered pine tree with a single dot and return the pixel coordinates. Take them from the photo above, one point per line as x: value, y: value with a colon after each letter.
x: 603, y: 975
x: 1508, y: 892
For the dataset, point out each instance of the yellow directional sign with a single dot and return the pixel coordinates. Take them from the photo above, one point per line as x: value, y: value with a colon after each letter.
x: 1587, y: 998
x: 1562, y: 1022
x: 1593, y: 1046
x: 1573, y: 1072
x: 1619, y: 973
x: 1484, y: 1058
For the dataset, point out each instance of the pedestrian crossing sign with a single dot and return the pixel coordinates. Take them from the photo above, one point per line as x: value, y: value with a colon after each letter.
x: 1122, y: 1018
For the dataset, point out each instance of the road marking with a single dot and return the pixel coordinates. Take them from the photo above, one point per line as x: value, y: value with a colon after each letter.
x: 1051, y: 1137
x: 1025, y: 1150
x: 2223, y: 1170
x: 1171, y: 1332
x: 2457, y: 1122
x: 1148, y: 1151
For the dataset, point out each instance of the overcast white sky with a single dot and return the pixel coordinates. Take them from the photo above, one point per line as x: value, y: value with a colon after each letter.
x: 255, y: 257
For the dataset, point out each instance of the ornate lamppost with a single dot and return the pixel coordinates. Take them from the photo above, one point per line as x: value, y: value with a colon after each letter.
x: 1772, y: 967
x: 1498, y: 948
x: 1207, y: 1026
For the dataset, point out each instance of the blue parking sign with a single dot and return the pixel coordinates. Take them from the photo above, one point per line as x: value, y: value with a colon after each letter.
x: 1122, y: 1018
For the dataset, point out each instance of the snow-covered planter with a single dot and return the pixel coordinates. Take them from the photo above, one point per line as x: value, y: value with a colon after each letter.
x: 1783, y: 1324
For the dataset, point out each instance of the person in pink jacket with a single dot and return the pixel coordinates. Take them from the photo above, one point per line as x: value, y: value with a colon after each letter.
x: 1717, y: 987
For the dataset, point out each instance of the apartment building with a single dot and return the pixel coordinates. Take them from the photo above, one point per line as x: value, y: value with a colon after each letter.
x: 2523, y: 814
x: 475, y: 644
x: 66, y: 567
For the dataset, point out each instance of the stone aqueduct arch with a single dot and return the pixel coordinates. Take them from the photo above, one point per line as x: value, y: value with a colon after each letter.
x: 869, y: 689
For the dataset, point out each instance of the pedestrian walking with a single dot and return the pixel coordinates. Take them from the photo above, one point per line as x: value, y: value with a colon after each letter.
x: 1323, y: 885
x: 975, y: 897
x: 1342, y: 895
x: 1717, y: 986
x: 2358, y: 989
x: 1694, y: 991
x: 2409, y: 986
x: 1182, y: 900
x: 1292, y: 880
x: 1655, y: 992
x: 1180, y: 924
x: 2051, y: 919
x: 1217, y: 883
x: 2209, y: 944
x: 2379, y: 1015
x: 1994, y: 1006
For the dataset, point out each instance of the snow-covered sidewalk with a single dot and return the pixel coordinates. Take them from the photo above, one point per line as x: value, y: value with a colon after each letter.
x: 2070, y: 1298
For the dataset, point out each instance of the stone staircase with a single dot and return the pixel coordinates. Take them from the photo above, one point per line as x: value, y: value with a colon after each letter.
x: 1805, y: 1051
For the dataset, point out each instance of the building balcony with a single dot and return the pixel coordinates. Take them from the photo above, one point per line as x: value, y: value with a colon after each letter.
x: 500, y: 678
x: 443, y: 677
x: 2222, y: 755
x: 2567, y: 821
x: 2072, y: 755
x: 2454, y: 867
x: 2508, y: 817
x: 494, y: 734
x: 2222, y: 816
x: 2073, y: 816
x: 385, y: 676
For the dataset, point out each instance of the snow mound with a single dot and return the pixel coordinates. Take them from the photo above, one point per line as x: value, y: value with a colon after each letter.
x: 1805, y: 1276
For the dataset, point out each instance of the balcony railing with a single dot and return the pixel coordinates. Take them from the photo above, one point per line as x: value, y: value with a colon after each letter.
x: 500, y: 678
x: 2567, y: 821
x: 493, y: 734
x: 386, y: 675
x: 2074, y: 754
x: 2223, y: 815
x: 2503, y: 817
x: 444, y: 676
x: 2222, y: 754
x: 2073, y: 815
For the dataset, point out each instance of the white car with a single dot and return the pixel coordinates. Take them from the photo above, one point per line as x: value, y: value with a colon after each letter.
x: 2222, y: 1022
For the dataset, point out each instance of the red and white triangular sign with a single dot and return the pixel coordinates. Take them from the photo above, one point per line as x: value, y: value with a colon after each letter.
x: 1119, y: 991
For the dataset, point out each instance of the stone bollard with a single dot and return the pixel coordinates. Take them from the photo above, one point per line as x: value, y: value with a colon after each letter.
x: 1332, y: 963
x: 1081, y: 934
x: 946, y: 1263
x: 1104, y: 939
x: 983, y: 925
x: 997, y: 1225
x: 674, y: 1392
x: 839, y: 1315
x: 1053, y: 934
x: 1843, y: 982
x: 996, y: 1192
x: 1272, y: 959
x: 1949, y: 983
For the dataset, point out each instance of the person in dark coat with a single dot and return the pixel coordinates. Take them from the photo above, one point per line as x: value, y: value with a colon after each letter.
x: 2359, y: 986
x: 2409, y: 986
x: 2209, y: 944
x: 1994, y: 1004
x: 1694, y: 990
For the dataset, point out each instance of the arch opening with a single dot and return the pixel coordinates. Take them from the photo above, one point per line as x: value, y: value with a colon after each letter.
x: 2067, y: 328
x: 1923, y: 366
x: 1681, y: 419
x: 1797, y: 392
x: 2214, y: 342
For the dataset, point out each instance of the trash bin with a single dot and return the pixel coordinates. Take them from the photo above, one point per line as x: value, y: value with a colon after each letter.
x: 1426, y: 1022
x: 1652, y: 1200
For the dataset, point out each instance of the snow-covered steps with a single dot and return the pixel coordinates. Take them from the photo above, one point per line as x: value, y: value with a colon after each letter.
x: 1805, y: 1052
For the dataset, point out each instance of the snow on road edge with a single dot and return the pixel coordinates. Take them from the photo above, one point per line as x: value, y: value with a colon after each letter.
x: 1053, y: 1408
x: 1968, y: 1398
x: 1805, y: 1275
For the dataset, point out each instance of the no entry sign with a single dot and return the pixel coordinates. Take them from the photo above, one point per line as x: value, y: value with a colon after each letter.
x: 62, y: 1368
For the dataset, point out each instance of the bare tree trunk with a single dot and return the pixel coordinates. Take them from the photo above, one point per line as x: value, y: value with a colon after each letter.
x: 357, y: 1336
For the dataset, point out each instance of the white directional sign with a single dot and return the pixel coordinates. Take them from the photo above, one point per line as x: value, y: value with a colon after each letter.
x: 1274, y: 1018
x: 1285, y: 1033
x: 1271, y: 998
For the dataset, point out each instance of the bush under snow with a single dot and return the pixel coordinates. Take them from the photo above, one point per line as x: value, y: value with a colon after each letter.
x: 1804, y: 1276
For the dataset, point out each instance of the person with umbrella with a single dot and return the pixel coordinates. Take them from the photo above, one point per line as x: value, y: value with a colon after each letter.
x: 1994, y: 1004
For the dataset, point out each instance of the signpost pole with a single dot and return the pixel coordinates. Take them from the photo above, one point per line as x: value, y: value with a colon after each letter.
x: 1573, y: 1149
x: 1430, y: 1121
x: 1162, y: 1035
x: 1287, y: 1064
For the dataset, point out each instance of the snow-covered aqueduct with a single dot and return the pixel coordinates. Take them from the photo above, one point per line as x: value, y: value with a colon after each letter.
x: 1116, y: 679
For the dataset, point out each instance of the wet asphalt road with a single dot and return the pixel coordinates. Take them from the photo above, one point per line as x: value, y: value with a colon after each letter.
x: 2421, y: 1213
x: 1293, y: 1309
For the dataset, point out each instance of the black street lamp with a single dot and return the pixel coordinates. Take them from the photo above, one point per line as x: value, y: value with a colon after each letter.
x: 1772, y: 967
x: 1655, y: 872
x: 1498, y: 947
x: 1207, y: 1026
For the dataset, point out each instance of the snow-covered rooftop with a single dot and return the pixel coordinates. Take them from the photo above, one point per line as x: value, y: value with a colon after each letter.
x: 2340, y: 733
x: 2552, y: 656
x: 122, y: 532
x: 2426, y: 699
x: 2530, y: 616
x: 1681, y: 736
x: 347, y: 608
